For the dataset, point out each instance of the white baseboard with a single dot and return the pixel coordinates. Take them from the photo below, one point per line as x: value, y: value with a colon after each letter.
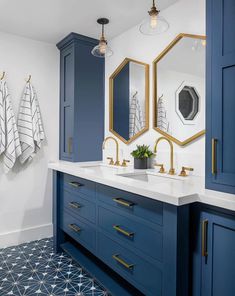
x: 25, y: 235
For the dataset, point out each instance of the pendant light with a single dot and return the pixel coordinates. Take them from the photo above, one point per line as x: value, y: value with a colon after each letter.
x: 155, y: 24
x: 102, y: 50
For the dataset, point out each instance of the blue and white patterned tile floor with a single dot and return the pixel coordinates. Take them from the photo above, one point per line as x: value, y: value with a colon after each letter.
x: 33, y: 269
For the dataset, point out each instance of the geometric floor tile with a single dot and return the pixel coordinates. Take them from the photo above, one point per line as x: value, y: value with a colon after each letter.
x: 33, y: 269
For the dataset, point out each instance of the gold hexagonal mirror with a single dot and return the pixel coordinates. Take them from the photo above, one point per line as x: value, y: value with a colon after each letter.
x: 129, y: 100
x: 179, y: 89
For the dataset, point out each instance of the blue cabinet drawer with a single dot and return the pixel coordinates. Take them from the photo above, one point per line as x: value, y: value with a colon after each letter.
x: 79, y: 185
x: 137, y: 205
x: 132, y: 233
x: 78, y: 230
x: 78, y: 205
x: 143, y: 275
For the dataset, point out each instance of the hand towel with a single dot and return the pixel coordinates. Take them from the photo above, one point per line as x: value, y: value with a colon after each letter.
x: 9, y: 137
x: 30, y: 125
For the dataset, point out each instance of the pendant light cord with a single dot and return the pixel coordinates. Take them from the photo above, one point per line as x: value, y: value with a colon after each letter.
x: 102, y: 31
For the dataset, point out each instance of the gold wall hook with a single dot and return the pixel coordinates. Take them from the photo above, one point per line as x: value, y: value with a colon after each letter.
x: 3, y: 75
x: 29, y: 79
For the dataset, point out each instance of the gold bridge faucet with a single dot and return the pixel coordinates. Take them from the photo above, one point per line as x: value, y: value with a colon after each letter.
x: 172, y: 170
x: 117, y: 162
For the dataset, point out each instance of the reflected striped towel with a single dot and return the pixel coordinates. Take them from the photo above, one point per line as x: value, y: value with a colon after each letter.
x: 136, y: 121
x: 30, y: 126
x: 9, y: 137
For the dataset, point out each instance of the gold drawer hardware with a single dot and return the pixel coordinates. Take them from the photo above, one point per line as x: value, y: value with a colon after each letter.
x: 75, y: 205
x: 75, y: 184
x: 204, y: 238
x: 126, y: 233
x: 213, y: 155
x: 183, y: 171
x: 111, y: 162
x: 122, y: 262
x: 70, y: 141
x: 123, y: 202
x: 124, y: 163
x: 74, y: 227
x: 162, y: 169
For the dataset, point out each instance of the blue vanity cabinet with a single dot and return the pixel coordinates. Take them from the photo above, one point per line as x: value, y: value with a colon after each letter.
x: 81, y: 100
x: 134, y: 245
x: 220, y: 139
x: 213, y: 252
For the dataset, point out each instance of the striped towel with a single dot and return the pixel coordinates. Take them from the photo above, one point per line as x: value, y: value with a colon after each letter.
x: 162, y: 122
x: 30, y: 126
x: 136, y: 121
x: 9, y: 137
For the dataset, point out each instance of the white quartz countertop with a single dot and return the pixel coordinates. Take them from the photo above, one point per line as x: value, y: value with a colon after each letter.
x: 170, y: 189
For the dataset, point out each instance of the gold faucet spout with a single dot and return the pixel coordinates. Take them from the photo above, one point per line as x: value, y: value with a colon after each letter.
x: 172, y: 170
x: 117, y: 148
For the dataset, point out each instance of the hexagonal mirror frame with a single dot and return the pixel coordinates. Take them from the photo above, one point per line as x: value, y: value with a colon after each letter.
x: 164, y: 52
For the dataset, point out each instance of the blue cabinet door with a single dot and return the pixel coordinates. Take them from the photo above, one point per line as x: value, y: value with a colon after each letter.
x: 81, y: 100
x: 214, y: 255
x: 67, y: 103
x: 220, y: 95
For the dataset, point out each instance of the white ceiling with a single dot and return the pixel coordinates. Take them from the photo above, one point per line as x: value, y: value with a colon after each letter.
x: 51, y: 20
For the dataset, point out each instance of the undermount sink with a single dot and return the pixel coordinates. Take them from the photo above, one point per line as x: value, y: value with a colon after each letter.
x: 99, y: 167
x: 149, y: 178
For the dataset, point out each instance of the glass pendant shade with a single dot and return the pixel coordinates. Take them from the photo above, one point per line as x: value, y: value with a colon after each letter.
x: 155, y: 24
x: 102, y: 50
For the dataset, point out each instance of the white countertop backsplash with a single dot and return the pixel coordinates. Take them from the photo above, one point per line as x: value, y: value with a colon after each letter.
x: 170, y: 189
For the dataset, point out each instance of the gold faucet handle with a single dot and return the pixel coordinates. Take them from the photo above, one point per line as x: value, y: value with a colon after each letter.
x: 162, y: 169
x: 183, y: 172
x: 111, y: 162
x: 117, y: 163
x: 124, y: 162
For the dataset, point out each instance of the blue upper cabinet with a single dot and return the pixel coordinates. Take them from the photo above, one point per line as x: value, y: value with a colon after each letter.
x: 220, y: 95
x: 81, y: 100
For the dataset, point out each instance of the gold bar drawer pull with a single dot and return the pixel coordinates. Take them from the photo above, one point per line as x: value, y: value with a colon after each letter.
x: 122, y: 262
x: 123, y: 202
x: 75, y: 184
x: 213, y: 155
x: 74, y: 205
x: 126, y: 233
x: 204, y: 238
x: 74, y: 227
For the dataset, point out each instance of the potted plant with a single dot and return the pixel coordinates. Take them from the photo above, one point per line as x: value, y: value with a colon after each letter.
x: 142, y: 157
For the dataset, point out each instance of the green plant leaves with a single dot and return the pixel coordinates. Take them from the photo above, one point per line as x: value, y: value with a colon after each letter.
x: 142, y: 151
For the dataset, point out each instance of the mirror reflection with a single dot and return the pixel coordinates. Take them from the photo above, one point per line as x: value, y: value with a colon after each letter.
x: 180, y: 89
x: 129, y: 99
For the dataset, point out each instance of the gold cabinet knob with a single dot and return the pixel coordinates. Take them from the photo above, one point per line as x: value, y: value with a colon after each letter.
x: 162, y: 169
x: 111, y: 162
x: 183, y: 172
x: 124, y: 162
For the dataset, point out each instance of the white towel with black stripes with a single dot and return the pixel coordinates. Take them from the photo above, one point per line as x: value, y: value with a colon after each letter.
x: 136, y: 121
x: 30, y: 125
x: 9, y: 137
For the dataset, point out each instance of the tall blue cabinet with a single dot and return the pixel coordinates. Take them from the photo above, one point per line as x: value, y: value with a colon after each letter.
x: 220, y: 140
x: 81, y: 100
x: 213, y: 251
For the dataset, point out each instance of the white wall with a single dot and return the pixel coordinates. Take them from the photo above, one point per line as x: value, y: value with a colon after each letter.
x: 186, y: 16
x: 26, y: 192
x: 168, y: 83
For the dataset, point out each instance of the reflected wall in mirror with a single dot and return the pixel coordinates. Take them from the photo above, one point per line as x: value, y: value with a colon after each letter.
x: 179, y: 89
x: 129, y: 100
